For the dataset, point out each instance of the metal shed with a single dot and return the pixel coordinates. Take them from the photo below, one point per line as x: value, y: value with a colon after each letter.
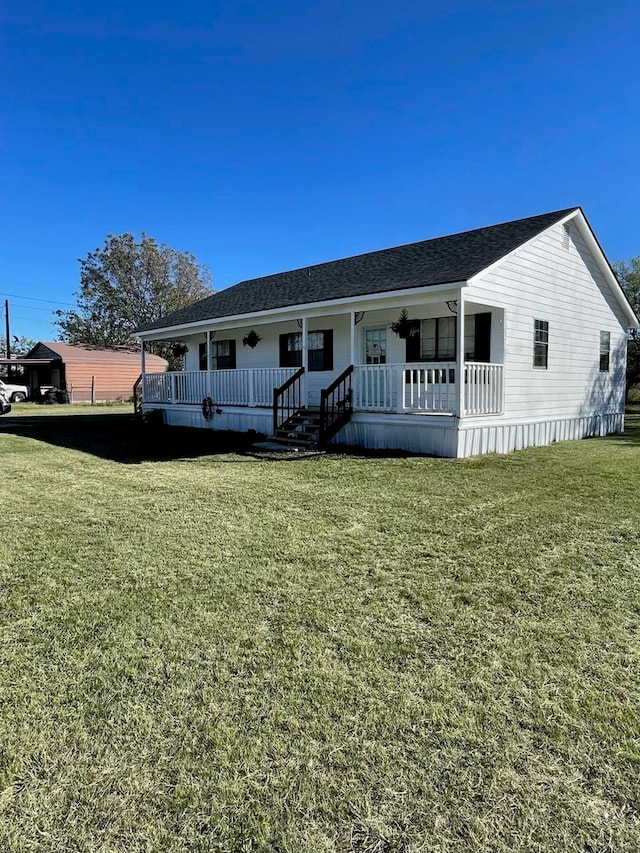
x: 86, y: 373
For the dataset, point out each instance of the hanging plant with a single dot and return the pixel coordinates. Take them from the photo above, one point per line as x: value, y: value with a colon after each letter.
x: 179, y: 350
x: 251, y: 340
x: 403, y: 326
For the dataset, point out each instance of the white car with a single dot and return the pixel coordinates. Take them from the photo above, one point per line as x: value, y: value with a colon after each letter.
x: 14, y: 393
x: 5, y: 405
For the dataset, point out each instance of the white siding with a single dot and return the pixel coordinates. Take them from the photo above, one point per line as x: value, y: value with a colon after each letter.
x: 564, y: 286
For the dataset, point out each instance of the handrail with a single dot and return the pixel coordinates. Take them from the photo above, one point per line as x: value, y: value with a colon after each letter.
x: 335, y: 406
x: 137, y: 395
x: 291, y: 389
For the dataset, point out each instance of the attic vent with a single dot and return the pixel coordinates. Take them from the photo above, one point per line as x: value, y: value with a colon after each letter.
x: 566, y: 236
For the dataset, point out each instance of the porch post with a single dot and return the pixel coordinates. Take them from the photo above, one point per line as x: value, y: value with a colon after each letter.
x: 460, y: 383
x: 142, y: 367
x: 209, y: 394
x: 352, y: 339
x: 305, y: 362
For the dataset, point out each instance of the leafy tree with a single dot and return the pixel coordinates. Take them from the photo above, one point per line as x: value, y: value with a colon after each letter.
x: 126, y: 284
x: 629, y: 278
x: 19, y: 345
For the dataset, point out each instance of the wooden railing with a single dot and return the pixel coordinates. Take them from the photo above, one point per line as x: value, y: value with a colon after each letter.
x: 428, y: 387
x: 483, y: 391
x: 287, y: 399
x: 335, y: 406
x: 225, y: 387
x: 137, y: 395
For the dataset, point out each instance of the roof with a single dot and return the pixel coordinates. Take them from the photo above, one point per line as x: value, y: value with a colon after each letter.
x: 87, y: 354
x: 441, y: 260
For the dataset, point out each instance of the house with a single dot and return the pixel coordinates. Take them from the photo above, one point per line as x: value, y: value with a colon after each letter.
x: 85, y: 372
x: 488, y: 340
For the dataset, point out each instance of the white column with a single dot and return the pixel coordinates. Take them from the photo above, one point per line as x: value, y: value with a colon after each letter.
x: 460, y: 386
x: 352, y: 340
x: 209, y: 394
x: 305, y: 361
x: 142, y: 366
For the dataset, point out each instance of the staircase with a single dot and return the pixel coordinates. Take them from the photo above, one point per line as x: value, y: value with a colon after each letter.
x: 137, y: 396
x: 301, y: 429
x: 305, y: 426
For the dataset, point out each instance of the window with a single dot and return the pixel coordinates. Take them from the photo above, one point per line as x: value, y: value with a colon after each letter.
x: 605, y: 351
x: 375, y: 346
x: 320, y: 355
x: 432, y: 340
x: 541, y: 343
x: 319, y: 350
x: 223, y: 355
x: 291, y: 350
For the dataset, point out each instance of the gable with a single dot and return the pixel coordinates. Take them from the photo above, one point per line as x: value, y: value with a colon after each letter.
x: 43, y: 351
x: 565, y: 258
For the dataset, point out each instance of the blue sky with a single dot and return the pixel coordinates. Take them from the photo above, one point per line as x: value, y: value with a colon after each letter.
x: 266, y: 136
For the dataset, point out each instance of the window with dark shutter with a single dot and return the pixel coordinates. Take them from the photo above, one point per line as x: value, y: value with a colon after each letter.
x: 432, y: 340
x: 291, y: 349
x: 223, y: 355
x: 320, y: 346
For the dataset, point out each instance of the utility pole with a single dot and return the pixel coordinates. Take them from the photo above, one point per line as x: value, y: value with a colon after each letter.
x: 6, y: 319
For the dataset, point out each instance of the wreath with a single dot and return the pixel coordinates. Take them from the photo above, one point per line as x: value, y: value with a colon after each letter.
x: 207, y: 408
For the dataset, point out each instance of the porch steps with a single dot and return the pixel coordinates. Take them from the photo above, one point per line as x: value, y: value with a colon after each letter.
x: 300, y: 430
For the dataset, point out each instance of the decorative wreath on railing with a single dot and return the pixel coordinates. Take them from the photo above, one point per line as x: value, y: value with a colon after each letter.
x: 207, y: 408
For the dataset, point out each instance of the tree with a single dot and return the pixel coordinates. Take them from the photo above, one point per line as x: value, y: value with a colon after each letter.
x: 629, y: 278
x: 19, y: 345
x: 126, y: 284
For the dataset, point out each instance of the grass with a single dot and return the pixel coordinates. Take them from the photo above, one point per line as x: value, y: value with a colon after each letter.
x: 217, y: 652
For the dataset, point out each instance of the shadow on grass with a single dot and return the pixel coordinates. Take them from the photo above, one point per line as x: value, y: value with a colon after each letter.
x: 124, y: 438
x: 631, y: 434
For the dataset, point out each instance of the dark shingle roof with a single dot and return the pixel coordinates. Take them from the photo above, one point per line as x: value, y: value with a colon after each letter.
x: 430, y: 262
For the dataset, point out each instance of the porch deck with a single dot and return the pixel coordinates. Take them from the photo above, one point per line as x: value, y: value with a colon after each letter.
x: 426, y: 387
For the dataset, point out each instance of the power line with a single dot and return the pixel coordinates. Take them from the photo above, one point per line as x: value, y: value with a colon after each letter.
x: 35, y: 299
x: 15, y: 305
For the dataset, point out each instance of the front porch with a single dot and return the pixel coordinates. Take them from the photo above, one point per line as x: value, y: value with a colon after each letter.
x: 428, y: 388
x: 394, y: 374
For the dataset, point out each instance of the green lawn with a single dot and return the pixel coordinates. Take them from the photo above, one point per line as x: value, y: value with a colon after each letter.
x: 208, y: 651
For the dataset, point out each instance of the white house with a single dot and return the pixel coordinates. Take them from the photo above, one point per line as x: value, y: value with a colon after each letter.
x: 489, y: 340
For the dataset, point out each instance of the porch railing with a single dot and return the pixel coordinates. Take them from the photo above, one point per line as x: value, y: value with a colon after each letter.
x: 287, y: 399
x: 225, y: 387
x: 427, y: 387
x: 335, y: 406
x: 484, y: 388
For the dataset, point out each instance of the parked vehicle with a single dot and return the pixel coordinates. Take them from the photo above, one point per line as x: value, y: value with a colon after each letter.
x: 5, y: 405
x: 14, y: 393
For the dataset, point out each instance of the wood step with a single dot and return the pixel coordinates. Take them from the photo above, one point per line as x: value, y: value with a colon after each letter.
x: 303, y: 435
x: 293, y: 442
